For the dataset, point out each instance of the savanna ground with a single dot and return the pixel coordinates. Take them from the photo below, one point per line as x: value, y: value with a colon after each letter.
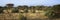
x: 30, y: 16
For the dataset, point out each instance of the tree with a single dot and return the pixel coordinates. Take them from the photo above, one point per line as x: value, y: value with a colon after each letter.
x: 38, y: 7
x: 32, y: 9
x: 54, y: 12
x: 1, y: 9
x: 5, y: 7
x: 20, y: 6
x: 56, y: 9
x: 26, y: 8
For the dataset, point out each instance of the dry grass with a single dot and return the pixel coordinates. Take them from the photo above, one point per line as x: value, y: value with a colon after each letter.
x: 40, y: 15
x: 9, y: 16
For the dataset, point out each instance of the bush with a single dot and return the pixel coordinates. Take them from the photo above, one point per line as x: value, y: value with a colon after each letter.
x: 15, y: 10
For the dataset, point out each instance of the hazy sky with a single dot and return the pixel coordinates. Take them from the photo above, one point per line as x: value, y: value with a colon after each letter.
x: 30, y: 2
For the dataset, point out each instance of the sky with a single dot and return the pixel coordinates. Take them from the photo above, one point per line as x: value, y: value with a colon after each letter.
x: 30, y: 2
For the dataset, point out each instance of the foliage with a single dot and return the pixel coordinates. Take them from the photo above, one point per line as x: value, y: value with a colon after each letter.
x: 15, y: 10
x: 51, y: 12
x: 1, y: 9
x: 56, y: 7
x: 26, y: 11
